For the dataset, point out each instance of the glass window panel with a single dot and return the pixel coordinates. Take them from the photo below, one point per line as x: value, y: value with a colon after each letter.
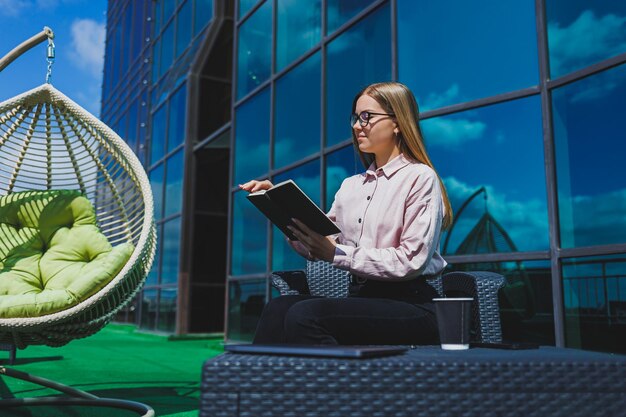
x: 131, y: 132
x: 203, y: 14
x: 157, y: 144
x: 171, y: 251
x: 174, y: 184
x: 249, y: 237
x: 158, y: 16
x: 252, y: 138
x: 153, y: 275
x: 156, y: 183
x: 525, y: 301
x: 167, y: 49
x: 246, y: 300
x: 255, y: 50
x: 340, y: 11
x: 138, y: 30
x: 340, y: 165
x: 350, y: 66
x: 177, y: 112
x: 156, y: 60
x: 167, y: 310
x: 581, y: 33
x: 491, y: 161
x: 594, y: 297
x: 307, y: 177
x: 456, y: 61
x: 299, y: 29
x: 149, y: 303
x: 183, y: 27
x: 126, y: 44
x: 245, y: 6
x: 302, y: 86
x: 168, y: 9
x: 590, y: 143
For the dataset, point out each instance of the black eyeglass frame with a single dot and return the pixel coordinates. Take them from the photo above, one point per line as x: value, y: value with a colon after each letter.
x: 364, y: 122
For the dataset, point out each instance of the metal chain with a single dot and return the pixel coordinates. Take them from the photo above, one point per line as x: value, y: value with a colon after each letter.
x: 50, y: 59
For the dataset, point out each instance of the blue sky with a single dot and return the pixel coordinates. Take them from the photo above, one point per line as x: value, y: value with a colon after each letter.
x: 79, y: 27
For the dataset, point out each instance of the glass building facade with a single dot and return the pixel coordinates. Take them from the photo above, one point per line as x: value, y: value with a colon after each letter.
x: 520, y: 105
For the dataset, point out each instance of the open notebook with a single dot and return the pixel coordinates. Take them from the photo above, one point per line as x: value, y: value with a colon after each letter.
x: 319, y: 351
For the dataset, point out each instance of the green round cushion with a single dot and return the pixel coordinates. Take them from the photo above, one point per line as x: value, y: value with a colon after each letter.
x: 52, y: 255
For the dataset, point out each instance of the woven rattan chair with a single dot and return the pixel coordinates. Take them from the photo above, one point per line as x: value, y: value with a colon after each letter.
x: 325, y: 280
x: 48, y: 142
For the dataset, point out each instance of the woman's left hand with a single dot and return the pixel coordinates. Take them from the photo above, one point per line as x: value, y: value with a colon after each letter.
x: 319, y: 247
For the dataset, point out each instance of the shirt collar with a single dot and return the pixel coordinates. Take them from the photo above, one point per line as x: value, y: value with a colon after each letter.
x: 389, y: 168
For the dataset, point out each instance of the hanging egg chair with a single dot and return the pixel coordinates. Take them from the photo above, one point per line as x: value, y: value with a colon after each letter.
x: 77, y: 232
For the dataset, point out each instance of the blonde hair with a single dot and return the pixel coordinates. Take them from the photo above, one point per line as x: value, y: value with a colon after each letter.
x: 396, y: 98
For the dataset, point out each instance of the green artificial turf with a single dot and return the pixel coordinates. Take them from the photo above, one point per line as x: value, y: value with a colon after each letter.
x: 117, y: 362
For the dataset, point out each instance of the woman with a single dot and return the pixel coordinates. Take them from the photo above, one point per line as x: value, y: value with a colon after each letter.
x: 391, y: 217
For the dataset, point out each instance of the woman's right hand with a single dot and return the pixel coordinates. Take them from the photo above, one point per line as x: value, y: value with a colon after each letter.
x: 254, y: 186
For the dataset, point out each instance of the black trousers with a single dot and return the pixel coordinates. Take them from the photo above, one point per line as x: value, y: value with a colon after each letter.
x: 374, y: 313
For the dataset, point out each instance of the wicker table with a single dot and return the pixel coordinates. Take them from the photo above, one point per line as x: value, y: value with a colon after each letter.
x: 423, y: 382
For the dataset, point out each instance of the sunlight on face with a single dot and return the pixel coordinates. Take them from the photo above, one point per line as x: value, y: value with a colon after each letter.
x: 378, y: 136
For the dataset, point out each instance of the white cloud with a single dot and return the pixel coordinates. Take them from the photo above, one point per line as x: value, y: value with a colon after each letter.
x: 595, y: 89
x: 436, y: 100
x: 13, y: 8
x: 451, y: 133
x: 589, y: 38
x: 88, y: 45
x: 597, y: 219
x: 526, y: 222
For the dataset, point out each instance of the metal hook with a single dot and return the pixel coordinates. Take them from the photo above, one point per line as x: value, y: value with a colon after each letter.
x: 50, y: 58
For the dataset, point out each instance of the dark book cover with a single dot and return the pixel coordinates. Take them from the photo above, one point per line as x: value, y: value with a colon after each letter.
x: 285, y: 201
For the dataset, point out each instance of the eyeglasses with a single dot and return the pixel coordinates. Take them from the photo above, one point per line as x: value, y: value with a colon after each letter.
x: 365, y: 116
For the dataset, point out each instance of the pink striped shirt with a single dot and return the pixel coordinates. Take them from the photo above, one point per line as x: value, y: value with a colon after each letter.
x: 390, y: 220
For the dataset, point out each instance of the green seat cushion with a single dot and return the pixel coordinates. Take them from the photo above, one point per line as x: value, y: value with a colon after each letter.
x: 52, y: 254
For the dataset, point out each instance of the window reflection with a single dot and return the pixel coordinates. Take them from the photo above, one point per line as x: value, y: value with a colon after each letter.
x: 255, y: 50
x: 138, y: 28
x: 156, y: 60
x: 153, y: 275
x: 167, y: 310
x: 491, y: 161
x: 177, y: 110
x: 590, y: 144
x: 526, y: 310
x: 156, y: 183
x: 248, y: 237
x: 157, y: 144
x: 307, y: 177
x: 174, y: 184
x: 252, y: 138
x: 299, y: 29
x: 203, y: 14
x: 458, y: 62
x: 594, y: 296
x: 171, y: 251
x: 246, y: 300
x: 183, y: 27
x: 340, y: 11
x: 149, y: 302
x: 245, y: 6
x: 167, y: 49
x: 340, y: 165
x: 582, y: 33
x: 350, y: 66
x: 297, y: 105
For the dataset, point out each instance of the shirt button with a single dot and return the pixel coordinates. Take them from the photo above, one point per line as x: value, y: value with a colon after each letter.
x: 368, y: 197
x: 359, y: 220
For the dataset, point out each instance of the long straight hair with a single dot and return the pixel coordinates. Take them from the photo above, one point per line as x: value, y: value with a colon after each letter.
x: 396, y: 98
